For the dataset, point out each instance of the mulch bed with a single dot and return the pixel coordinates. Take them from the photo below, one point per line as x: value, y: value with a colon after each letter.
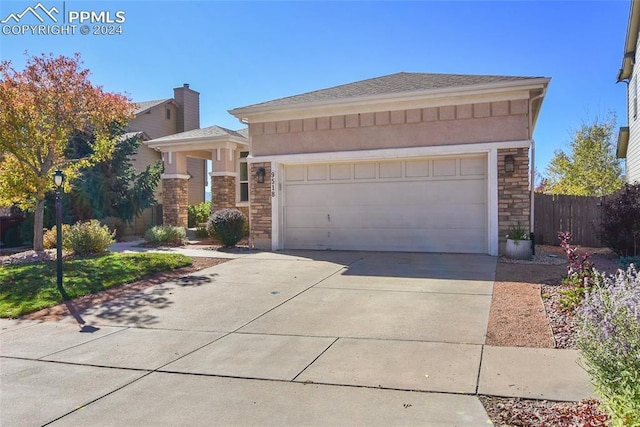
x: 507, y: 412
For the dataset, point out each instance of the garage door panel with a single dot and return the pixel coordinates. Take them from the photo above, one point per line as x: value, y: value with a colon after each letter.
x: 308, y: 238
x: 431, y: 205
x: 376, y: 193
x: 306, y: 216
x: 406, y: 217
x: 416, y: 239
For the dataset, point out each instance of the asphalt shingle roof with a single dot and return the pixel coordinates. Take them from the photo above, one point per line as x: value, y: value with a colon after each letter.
x: 391, y: 84
x: 211, y: 131
x: 127, y: 135
x: 145, y: 105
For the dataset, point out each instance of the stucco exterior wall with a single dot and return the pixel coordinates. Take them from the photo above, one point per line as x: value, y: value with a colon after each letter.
x: 447, y: 125
x: 198, y: 182
x: 175, y: 163
x: 224, y: 160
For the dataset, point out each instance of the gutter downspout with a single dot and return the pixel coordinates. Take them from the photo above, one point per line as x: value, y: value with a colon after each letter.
x: 532, y: 171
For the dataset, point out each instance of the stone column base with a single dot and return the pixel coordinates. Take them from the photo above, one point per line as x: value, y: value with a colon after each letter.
x: 175, y: 201
x: 223, y: 192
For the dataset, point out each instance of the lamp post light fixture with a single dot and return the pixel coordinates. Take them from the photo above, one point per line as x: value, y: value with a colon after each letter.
x: 58, y: 180
x: 260, y: 173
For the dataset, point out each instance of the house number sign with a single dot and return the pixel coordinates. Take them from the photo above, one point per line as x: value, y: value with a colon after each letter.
x: 273, y: 184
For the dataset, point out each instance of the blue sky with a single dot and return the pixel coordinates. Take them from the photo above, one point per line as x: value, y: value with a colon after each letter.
x: 241, y: 53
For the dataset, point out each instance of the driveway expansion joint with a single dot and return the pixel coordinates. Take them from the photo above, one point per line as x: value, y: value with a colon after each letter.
x: 314, y: 360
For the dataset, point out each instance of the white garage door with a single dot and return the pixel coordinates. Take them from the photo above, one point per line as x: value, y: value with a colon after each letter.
x: 426, y: 205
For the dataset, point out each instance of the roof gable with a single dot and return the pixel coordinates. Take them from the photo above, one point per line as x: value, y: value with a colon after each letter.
x: 143, y: 106
x: 392, y: 84
x: 243, y: 132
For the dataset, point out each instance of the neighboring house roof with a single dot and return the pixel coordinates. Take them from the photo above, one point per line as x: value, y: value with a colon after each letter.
x: 200, y: 139
x: 244, y: 132
x: 211, y: 131
x: 629, y: 56
x: 391, y: 84
x: 394, y: 92
x: 143, y: 106
x: 140, y: 134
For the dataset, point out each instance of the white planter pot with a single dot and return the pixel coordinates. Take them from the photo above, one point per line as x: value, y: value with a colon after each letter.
x: 518, y: 249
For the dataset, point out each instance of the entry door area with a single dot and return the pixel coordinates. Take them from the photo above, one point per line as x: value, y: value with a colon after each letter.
x: 423, y: 205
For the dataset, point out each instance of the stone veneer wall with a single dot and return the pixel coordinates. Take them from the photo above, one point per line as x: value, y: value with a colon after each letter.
x: 260, y: 208
x: 514, y: 198
x: 175, y: 201
x: 223, y: 192
x: 223, y: 195
x: 244, y: 210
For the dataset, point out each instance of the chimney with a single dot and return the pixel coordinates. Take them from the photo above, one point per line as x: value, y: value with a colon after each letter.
x: 188, y: 108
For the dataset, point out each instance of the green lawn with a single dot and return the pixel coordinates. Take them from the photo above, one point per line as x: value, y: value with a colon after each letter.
x: 30, y: 287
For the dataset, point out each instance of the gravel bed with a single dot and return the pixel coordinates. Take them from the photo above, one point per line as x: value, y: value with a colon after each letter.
x: 543, y: 256
x: 563, y: 325
x: 29, y: 256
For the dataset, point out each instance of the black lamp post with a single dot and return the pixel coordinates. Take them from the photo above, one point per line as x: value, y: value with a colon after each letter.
x: 58, y: 179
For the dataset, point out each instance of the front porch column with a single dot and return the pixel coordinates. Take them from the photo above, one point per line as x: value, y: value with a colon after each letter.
x: 223, y: 190
x: 175, y: 200
x: 175, y: 184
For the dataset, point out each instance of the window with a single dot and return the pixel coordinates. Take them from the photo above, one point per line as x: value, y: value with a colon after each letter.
x: 244, y: 177
x: 168, y: 114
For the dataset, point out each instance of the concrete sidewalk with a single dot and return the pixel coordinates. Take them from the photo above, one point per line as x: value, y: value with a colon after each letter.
x: 194, y: 250
x: 306, y: 338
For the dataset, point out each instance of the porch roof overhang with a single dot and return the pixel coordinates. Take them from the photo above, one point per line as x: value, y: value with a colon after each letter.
x: 205, y: 139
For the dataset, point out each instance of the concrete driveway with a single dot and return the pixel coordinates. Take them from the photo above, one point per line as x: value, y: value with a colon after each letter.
x: 299, y: 338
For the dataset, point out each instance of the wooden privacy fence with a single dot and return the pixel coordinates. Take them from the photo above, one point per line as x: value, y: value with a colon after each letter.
x: 578, y: 214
